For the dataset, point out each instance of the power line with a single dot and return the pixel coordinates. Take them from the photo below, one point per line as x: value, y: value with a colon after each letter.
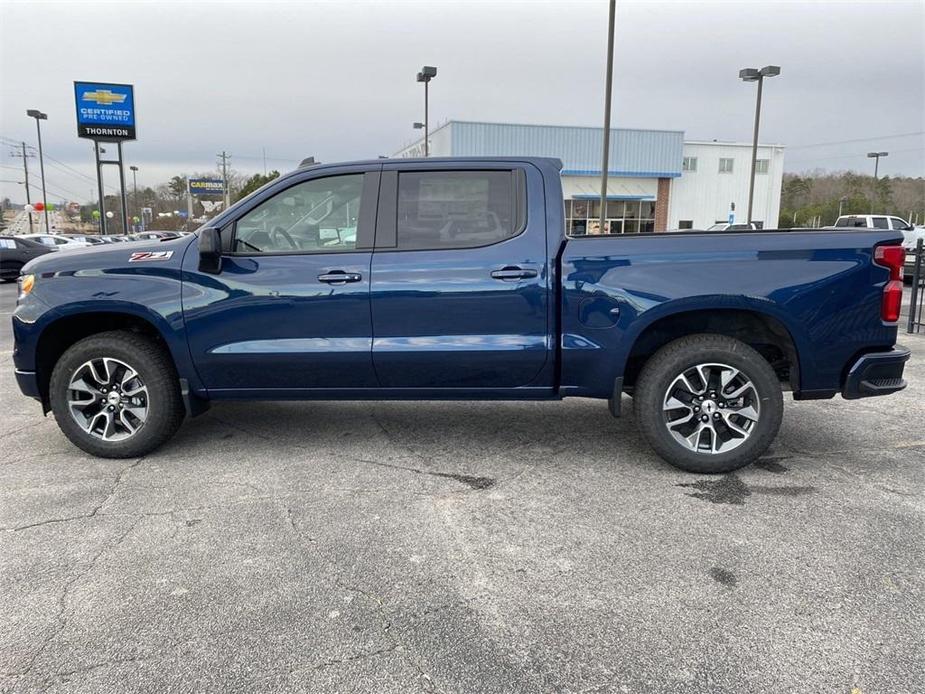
x: 860, y: 139
x: 71, y: 169
x: 853, y: 156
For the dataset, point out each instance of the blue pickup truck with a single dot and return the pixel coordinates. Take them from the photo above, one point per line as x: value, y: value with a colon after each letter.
x: 454, y: 279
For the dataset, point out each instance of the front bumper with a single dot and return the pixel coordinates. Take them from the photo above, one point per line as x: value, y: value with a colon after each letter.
x: 877, y: 373
x: 28, y: 383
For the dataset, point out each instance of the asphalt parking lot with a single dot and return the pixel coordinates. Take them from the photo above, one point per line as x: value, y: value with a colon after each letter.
x: 462, y: 547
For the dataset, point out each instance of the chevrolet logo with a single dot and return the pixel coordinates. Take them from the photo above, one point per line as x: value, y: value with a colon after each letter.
x: 104, y: 97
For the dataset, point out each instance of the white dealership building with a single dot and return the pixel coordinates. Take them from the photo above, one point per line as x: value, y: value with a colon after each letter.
x: 657, y: 179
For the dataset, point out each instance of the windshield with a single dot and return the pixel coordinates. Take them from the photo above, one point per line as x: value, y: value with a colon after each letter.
x: 717, y: 227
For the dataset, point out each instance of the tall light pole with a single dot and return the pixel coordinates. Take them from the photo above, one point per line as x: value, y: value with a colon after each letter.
x: 134, y: 170
x: 426, y: 74
x: 751, y: 74
x: 876, y: 157
x: 39, y: 116
x: 608, y: 92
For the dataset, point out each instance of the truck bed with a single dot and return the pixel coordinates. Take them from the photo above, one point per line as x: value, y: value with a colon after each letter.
x: 820, y: 287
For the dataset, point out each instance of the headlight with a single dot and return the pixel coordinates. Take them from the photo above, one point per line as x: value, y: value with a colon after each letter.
x: 26, y: 282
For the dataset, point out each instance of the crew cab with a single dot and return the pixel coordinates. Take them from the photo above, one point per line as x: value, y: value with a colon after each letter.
x: 454, y: 279
x: 872, y: 221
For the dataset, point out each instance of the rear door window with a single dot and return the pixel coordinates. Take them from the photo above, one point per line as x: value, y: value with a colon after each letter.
x: 880, y: 223
x: 440, y: 210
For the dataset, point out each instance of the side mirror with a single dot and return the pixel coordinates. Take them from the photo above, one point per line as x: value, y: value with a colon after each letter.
x: 210, y: 251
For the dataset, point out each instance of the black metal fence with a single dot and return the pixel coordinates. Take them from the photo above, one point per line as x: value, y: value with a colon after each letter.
x: 917, y: 298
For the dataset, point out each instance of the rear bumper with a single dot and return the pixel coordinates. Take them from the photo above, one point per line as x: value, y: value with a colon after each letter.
x: 877, y: 373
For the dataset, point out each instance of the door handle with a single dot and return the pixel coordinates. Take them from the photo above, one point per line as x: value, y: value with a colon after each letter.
x: 339, y: 277
x: 512, y: 272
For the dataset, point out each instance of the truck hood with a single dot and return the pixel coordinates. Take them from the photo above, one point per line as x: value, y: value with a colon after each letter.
x: 111, y: 256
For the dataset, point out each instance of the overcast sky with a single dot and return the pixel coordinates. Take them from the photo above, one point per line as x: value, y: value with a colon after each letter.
x: 336, y: 79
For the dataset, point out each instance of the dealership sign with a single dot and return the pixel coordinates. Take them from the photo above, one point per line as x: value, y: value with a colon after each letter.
x: 105, y: 112
x: 206, y: 187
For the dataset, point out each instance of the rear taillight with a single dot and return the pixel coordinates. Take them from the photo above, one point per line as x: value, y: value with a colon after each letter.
x: 891, y: 257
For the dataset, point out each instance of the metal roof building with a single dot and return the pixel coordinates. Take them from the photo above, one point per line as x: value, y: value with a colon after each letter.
x: 656, y: 180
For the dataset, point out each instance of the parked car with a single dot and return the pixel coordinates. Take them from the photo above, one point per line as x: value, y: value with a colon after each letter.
x: 155, y: 235
x: 85, y: 238
x: 740, y: 226
x: 872, y: 221
x: 911, y: 238
x: 16, y: 251
x: 56, y: 242
x: 453, y: 279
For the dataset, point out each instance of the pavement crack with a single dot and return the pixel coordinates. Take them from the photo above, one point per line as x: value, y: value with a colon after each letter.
x: 358, y: 656
x: 16, y: 431
x: 234, y: 426
x: 97, y: 666
x: 391, y: 634
x: 61, y: 616
x: 96, y: 509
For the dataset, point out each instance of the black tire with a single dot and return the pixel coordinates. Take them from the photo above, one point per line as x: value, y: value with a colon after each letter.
x: 675, y: 358
x: 165, y: 409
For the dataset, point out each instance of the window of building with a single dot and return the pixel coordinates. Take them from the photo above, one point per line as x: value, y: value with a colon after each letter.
x: 317, y: 216
x: 686, y: 224
x: 725, y: 165
x: 457, y: 209
x: 761, y: 166
x: 623, y: 217
x: 689, y: 164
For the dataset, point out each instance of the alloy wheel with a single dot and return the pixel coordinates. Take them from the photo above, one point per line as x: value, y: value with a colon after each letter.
x: 711, y: 408
x: 108, y: 399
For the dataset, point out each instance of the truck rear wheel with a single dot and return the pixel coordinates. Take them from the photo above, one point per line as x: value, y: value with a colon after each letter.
x: 116, y: 395
x: 708, y: 403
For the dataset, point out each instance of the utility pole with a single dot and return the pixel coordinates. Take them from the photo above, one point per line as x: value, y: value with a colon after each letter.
x: 225, y: 157
x: 608, y: 92
x: 25, y: 168
x: 134, y: 170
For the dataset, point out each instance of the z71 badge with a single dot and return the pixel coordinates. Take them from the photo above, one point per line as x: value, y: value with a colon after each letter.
x: 149, y: 256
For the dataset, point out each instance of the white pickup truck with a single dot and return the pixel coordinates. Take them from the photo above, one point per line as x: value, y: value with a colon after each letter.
x: 872, y: 221
x: 885, y: 221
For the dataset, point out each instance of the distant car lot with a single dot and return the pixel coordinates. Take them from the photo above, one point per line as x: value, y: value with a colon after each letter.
x: 402, y: 547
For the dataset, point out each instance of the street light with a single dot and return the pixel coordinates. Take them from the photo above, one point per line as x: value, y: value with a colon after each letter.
x: 135, y: 189
x: 39, y: 116
x: 751, y: 74
x: 876, y: 157
x: 426, y: 74
x: 841, y: 204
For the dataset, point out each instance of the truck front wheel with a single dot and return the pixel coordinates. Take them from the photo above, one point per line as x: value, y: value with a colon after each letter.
x: 116, y: 395
x: 708, y: 403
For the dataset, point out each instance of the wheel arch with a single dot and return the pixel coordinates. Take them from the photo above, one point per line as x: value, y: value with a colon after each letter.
x: 768, y: 334
x: 69, y: 328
